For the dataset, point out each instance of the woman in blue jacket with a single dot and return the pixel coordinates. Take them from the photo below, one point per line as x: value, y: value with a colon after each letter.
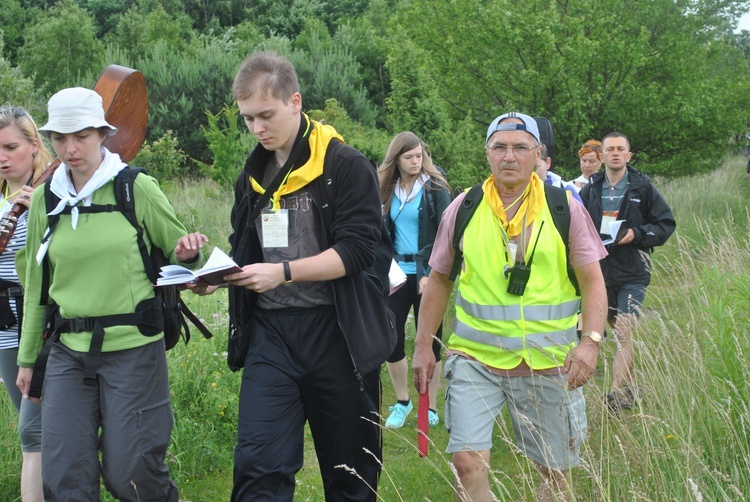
x: 414, y: 193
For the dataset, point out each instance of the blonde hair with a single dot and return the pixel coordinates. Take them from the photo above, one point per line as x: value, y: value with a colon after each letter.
x: 22, y: 121
x: 388, y: 172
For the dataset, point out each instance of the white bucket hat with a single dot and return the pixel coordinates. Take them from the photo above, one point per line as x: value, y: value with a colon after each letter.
x: 75, y: 109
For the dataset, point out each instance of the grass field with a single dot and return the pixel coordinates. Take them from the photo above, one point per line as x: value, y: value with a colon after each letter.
x: 688, y: 440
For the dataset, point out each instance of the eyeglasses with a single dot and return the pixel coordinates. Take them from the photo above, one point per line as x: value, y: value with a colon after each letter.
x: 518, y: 151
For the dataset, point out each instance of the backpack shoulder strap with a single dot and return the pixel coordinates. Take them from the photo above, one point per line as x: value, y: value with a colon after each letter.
x: 50, y: 202
x: 125, y: 197
x: 431, y: 202
x: 463, y: 216
x: 559, y: 206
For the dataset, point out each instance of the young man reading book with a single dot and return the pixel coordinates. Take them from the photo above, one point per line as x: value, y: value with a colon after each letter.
x: 302, y: 297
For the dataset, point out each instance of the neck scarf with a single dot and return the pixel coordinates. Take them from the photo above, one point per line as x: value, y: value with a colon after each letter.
x: 318, y: 139
x: 533, y: 198
x: 62, y: 186
x: 406, y: 197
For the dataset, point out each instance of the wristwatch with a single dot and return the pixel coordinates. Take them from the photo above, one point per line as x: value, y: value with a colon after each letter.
x: 594, y: 336
x: 287, y: 272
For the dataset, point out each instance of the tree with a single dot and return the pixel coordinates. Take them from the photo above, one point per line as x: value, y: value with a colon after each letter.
x: 60, y: 47
x: 137, y: 31
x: 18, y: 90
x: 330, y: 71
x: 369, y: 40
x: 653, y: 70
x: 184, y: 86
x: 368, y: 140
x: 106, y: 13
x: 13, y: 19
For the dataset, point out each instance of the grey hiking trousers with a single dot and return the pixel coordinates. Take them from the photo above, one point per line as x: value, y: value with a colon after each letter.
x: 127, y: 416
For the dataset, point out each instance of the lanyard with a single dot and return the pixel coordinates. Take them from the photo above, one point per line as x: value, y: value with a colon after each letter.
x: 509, y: 255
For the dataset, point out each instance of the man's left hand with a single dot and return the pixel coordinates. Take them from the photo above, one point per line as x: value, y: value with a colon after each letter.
x: 627, y: 238
x: 581, y: 363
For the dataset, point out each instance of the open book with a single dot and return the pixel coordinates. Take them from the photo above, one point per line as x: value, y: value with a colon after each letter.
x: 616, y: 232
x: 213, y: 272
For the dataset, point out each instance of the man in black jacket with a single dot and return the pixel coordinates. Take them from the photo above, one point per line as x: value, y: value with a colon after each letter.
x: 632, y: 218
x: 306, y: 227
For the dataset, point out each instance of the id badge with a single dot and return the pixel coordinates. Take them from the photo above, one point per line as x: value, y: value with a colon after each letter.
x: 608, y: 217
x: 513, y: 250
x: 275, y: 226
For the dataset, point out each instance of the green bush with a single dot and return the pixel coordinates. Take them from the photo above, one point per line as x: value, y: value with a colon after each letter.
x: 229, y: 143
x: 162, y: 159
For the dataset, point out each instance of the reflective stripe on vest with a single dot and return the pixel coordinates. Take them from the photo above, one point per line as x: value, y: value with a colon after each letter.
x: 500, y: 329
x: 536, y: 340
x: 513, y: 312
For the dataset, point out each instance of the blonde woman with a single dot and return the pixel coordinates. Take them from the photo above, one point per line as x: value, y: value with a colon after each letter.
x: 23, y: 158
x: 414, y: 193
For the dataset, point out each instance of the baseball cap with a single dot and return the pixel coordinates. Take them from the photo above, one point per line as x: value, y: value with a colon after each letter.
x: 529, y: 125
x: 75, y: 109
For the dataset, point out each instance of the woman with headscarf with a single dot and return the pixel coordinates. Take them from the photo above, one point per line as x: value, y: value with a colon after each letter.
x: 105, y: 394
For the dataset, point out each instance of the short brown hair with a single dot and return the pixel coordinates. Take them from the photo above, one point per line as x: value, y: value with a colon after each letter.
x: 267, y: 73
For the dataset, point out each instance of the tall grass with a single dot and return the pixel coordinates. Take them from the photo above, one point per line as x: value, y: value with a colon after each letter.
x: 688, y: 440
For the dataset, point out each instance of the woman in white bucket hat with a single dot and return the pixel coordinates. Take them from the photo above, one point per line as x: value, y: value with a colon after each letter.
x: 104, y: 393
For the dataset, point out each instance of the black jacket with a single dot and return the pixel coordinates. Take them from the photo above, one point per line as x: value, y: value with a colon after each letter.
x: 646, y: 212
x: 435, y: 198
x: 353, y: 223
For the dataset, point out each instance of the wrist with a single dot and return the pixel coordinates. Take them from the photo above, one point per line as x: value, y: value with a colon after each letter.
x: 593, y: 337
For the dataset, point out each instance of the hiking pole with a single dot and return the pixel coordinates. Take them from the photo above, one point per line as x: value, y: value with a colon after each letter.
x: 423, y: 410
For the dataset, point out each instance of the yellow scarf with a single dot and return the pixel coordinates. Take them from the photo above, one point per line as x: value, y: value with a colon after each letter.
x: 319, y: 138
x: 533, y: 198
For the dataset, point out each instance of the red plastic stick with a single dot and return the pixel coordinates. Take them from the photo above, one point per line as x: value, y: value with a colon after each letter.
x: 422, y: 421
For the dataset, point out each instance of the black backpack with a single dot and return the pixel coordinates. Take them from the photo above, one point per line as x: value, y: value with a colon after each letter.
x: 557, y: 201
x: 165, y: 312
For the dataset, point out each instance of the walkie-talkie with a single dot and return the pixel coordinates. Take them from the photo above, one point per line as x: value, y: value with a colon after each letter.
x: 520, y: 273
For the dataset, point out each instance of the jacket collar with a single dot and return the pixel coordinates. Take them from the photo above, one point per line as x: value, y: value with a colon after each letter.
x: 635, y: 177
x: 256, y: 163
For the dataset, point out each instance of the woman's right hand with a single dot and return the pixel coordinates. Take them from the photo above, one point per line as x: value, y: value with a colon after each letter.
x: 23, y: 382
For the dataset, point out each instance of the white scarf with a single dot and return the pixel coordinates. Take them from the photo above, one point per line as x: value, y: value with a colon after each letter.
x: 407, y: 197
x: 62, y: 186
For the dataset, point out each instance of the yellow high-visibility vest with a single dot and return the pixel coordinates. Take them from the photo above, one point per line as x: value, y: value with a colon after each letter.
x: 498, y: 328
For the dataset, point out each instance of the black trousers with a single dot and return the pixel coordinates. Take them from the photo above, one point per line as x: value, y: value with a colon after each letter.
x: 299, y: 369
x: 400, y: 304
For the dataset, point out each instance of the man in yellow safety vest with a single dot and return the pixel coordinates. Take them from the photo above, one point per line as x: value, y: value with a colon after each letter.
x: 514, y: 338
